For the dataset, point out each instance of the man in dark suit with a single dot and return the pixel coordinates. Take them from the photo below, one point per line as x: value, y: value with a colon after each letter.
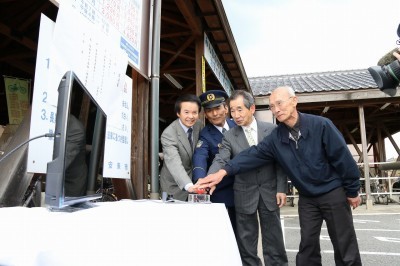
x: 177, y: 145
x: 261, y: 190
x: 216, y: 111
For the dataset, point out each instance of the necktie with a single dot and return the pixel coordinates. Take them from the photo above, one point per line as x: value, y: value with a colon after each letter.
x: 249, y: 136
x: 189, y: 132
x: 223, y: 130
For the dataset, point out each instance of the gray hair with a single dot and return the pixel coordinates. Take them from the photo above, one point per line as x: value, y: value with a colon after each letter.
x: 248, y: 99
x: 288, y: 89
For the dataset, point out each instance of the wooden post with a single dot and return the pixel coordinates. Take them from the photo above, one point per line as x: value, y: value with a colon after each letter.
x: 365, y: 156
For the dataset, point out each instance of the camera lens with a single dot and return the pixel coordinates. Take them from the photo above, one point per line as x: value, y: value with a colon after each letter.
x: 386, y: 77
x: 394, y: 71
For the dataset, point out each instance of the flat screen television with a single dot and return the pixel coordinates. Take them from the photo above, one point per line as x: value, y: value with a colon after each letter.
x: 74, y: 176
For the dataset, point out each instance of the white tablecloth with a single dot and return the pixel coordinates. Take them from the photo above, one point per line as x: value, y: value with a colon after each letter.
x: 119, y: 233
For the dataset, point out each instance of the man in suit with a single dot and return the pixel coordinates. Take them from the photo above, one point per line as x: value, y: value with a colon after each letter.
x: 177, y: 145
x: 216, y: 111
x: 261, y: 190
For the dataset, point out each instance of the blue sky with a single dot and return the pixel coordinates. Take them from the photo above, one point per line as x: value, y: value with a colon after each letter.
x: 303, y: 36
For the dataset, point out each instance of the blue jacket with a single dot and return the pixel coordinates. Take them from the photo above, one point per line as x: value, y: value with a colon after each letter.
x: 206, y: 148
x: 317, y: 163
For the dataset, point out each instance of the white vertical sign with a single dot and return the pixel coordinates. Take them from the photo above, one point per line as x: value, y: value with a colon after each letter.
x: 216, y: 66
x: 43, y: 115
x: 117, y: 159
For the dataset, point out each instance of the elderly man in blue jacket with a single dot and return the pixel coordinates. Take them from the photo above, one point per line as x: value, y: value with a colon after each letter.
x: 210, y: 138
x: 313, y: 153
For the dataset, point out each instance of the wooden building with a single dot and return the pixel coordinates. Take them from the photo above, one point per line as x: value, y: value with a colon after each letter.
x: 181, y: 68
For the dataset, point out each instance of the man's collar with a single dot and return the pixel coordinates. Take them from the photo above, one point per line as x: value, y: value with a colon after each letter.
x: 303, y: 126
x: 296, y: 126
x: 185, y: 128
x: 253, y: 124
x: 226, y: 126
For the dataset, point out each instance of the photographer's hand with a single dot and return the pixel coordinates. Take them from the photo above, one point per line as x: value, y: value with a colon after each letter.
x: 397, y: 54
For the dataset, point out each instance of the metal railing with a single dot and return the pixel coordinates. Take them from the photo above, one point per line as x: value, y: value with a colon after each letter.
x: 379, y: 190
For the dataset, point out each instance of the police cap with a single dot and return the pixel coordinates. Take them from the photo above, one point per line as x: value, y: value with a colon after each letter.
x: 213, y: 98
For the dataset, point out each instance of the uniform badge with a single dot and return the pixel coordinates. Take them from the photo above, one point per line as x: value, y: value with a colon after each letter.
x: 199, y: 143
x: 219, y: 145
x: 210, y: 97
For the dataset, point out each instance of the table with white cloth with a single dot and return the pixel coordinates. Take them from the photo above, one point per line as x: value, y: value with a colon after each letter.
x: 125, y: 232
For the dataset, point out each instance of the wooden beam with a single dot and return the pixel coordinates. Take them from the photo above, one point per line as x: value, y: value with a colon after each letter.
x: 389, y: 136
x: 180, y: 68
x: 29, y: 20
x: 183, y: 76
x: 381, y: 142
x: 28, y: 68
x: 214, y: 29
x: 188, y: 12
x: 351, y: 138
x: 176, y: 34
x: 365, y: 156
x: 17, y: 55
x: 18, y: 37
x: 358, y: 95
x: 177, y: 53
x: 174, y: 21
x: 168, y: 51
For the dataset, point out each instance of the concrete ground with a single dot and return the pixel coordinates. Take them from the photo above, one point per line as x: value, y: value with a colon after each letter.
x: 373, y: 209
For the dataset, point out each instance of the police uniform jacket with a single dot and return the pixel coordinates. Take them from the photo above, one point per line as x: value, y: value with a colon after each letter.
x: 207, y: 147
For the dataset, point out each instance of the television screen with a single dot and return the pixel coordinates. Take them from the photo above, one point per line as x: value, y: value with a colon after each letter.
x: 74, y: 176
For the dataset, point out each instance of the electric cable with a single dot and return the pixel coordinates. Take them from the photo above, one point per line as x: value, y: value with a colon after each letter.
x: 47, y: 135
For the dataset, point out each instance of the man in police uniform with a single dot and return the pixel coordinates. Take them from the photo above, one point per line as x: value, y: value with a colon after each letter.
x: 216, y: 111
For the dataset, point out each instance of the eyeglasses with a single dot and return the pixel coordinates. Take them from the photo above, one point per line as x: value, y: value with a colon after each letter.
x: 278, y: 104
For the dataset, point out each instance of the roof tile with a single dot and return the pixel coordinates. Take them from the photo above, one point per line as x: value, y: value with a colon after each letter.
x: 314, y: 82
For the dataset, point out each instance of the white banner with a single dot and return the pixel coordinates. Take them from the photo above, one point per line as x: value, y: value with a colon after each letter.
x: 119, y: 20
x: 62, y: 47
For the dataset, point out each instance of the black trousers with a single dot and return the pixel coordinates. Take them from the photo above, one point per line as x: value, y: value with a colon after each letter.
x: 232, y: 217
x: 271, y: 234
x: 334, y: 209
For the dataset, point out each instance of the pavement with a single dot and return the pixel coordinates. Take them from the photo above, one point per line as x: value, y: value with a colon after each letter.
x: 392, y: 207
x: 288, y: 211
